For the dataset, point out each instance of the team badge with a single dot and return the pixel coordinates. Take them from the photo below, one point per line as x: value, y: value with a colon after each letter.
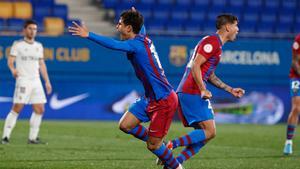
x: 178, y: 55
x: 296, y: 45
x: 208, y: 48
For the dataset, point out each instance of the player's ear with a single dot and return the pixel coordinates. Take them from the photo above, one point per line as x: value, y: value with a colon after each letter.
x: 129, y: 28
x: 227, y: 27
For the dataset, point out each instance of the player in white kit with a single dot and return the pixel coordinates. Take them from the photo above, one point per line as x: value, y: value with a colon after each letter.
x: 26, y: 63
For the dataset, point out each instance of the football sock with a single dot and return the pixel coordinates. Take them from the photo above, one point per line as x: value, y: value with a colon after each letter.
x: 166, y: 156
x: 10, y: 123
x: 35, y: 122
x: 290, y: 131
x: 139, y: 132
x: 193, y: 137
x: 189, y: 151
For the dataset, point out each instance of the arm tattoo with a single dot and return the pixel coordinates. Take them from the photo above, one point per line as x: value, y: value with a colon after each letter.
x: 295, y: 64
x: 213, y: 79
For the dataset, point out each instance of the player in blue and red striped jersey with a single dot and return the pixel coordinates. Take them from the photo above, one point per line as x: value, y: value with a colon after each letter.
x: 295, y: 93
x: 195, y: 109
x: 160, y: 101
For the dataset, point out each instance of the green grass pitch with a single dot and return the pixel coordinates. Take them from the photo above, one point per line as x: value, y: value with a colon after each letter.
x: 100, y: 145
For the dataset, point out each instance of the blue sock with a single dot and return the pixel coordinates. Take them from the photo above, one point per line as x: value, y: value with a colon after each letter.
x: 189, y: 151
x: 290, y: 131
x: 193, y: 137
x: 166, y: 156
x: 139, y: 132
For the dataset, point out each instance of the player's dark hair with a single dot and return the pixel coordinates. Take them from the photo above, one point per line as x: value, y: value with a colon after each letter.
x: 29, y: 22
x: 224, y: 19
x: 133, y: 18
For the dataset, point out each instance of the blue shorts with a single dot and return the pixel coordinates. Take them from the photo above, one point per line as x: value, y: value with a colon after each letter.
x: 294, y: 87
x: 139, y: 108
x: 194, y: 109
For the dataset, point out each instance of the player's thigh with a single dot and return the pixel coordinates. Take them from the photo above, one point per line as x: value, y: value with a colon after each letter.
x: 161, y: 114
x: 38, y: 108
x: 37, y: 95
x: 17, y: 107
x: 22, y: 93
x: 128, y: 121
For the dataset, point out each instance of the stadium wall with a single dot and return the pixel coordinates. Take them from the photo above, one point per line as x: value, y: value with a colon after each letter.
x: 89, y: 81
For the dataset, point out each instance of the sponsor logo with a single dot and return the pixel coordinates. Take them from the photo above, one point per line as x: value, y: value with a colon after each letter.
x: 56, y: 104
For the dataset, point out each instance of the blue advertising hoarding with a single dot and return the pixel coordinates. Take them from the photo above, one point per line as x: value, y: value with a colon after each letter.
x: 91, y: 82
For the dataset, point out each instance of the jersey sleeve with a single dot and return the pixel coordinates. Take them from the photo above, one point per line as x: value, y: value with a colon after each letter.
x: 111, y: 43
x: 208, y: 47
x: 41, y: 51
x: 296, y: 46
x: 14, y: 49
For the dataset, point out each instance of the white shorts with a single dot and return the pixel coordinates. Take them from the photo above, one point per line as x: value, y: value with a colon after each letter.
x: 29, y: 92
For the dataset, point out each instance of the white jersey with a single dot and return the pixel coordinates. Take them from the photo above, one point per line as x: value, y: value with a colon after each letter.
x: 27, y: 58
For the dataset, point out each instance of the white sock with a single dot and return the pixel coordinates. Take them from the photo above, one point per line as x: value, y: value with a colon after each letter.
x: 289, y: 142
x: 35, y: 122
x: 10, y: 123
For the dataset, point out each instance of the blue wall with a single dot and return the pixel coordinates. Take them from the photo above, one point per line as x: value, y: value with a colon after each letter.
x: 78, y: 66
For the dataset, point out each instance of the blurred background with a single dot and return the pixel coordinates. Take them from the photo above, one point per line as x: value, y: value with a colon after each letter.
x: 94, y: 83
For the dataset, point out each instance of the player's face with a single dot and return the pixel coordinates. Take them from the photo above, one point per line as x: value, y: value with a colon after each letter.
x: 123, y: 29
x: 233, y: 31
x: 30, y: 31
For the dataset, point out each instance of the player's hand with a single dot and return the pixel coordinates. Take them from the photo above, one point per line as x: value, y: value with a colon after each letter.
x: 15, y: 73
x: 48, y: 88
x: 206, y: 94
x: 79, y: 30
x: 237, y: 92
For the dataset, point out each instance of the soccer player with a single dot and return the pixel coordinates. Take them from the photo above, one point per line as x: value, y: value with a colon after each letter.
x: 295, y: 93
x: 195, y: 109
x: 28, y: 56
x: 160, y: 101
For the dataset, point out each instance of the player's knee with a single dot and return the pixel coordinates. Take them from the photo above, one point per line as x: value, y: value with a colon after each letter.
x: 17, y: 108
x: 39, y: 110
x: 210, y: 133
x: 152, y: 145
x: 124, y: 127
x: 295, y: 110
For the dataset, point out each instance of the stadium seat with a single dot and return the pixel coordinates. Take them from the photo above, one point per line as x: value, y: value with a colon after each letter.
x: 240, y: 4
x: 179, y: 15
x: 166, y: 2
x: 193, y: 26
x: 2, y: 25
x: 41, y: 11
x: 268, y: 18
x: 60, y: 11
x: 184, y: 3
x: 15, y: 24
x: 43, y: 2
x: 251, y: 17
x: 148, y: 2
x: 6, y: 10
x: 174, y: 26
x: 201, y: 4
x: 272, y: 4
x: 209, y: 26
x: 283, y: 28
x: 109, y: 4
x: 289, y: 5
x: 264, y: 27
x: 54, y: 26
x: 247, y: 26
x: 255, y: 3
x: 197, y: 16
x: 219, y: 3
x: 161, y: 13
x: 22, y: 10
x: 156, y: 25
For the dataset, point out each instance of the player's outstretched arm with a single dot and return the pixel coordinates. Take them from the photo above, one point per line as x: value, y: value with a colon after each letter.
x: 236, y: 92
x: 82, y: 31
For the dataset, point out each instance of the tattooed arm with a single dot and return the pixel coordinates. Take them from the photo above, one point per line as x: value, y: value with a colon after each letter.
x: 213, y: 79
x: 236, y: 92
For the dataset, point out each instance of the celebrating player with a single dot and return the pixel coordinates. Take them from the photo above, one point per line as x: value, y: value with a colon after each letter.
x: 295, y: 93
x: 28, y: 55
x: 194, y: 106
x: 160, y: 101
